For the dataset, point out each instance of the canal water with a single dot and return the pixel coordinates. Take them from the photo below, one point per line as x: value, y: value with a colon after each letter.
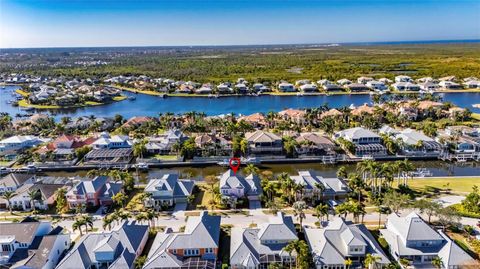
x: 437, y: 168
x: 147, y: 105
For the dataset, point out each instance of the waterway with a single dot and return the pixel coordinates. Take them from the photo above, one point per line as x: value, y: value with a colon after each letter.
x: 147, y: 105
x: 437, y: 168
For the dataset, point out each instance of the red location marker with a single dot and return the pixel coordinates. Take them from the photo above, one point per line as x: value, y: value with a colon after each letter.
x: 234, y: 164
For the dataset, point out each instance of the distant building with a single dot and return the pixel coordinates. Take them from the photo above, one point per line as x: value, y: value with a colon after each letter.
x: 263, y: 143
x: 366, y: 142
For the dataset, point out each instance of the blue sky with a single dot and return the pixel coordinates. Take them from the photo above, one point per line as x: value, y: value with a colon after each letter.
x: 56, y: 23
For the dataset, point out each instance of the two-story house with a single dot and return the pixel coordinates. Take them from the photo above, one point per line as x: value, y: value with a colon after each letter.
x: 263, y: 143
x: 115, y: 249
x: 366, y: 142
x: 32, y: 244
x: 168, y: 190
x: 319, y: 188
x: 93, y: 192
x: 417, y: 143
x: 105, y: 141
x: 196, y: 246
x: 341, y: 240
x: 163, y: 144
x: 412, y: 239
x: 13, y: 181
x: 264, y: 245
x: 12, y: 145
x: 235, y: 186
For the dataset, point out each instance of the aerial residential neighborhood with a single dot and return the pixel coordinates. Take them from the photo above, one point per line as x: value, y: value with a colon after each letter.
x: 240, y: 134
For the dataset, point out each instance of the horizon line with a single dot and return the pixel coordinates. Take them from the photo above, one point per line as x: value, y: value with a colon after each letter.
x: 427, y: 41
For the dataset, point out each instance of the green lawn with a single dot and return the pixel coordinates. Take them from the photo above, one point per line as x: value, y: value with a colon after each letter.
x: 462, y: 185
x: 166, y: 157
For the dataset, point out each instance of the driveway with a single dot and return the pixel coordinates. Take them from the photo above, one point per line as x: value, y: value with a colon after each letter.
x: 449, y: 200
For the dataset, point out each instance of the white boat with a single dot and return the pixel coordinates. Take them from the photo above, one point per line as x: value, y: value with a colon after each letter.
x: 250, y: 160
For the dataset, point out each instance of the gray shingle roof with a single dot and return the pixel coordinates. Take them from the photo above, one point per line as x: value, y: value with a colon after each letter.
x: 127, y: 238
x: 330, y: 244
x: 250, y: 184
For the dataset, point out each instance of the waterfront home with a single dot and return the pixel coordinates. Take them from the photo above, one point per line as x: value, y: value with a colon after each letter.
x: 366, y: 142
x: 344, y: 81
x: 197, y: 246
x: 317, y: 188
x: 257, y: 120
x: 412, y: 239
x: 362, y: 110
x: 263, y: 143
x: 163, y: 144
x: 308, y: 88
x: 302, y: 82
x: 332, y: 88
x: 428, y: 86
x: 405, y: 86
x: 357, y: 87
x: 295, y: 115
x: 17, y: 143
x: 32, y: 244
x: 385, y: 81
x: 259, y: 87
x: 387, y: 130
x: 241, y: 88
x: 234, y: 186
x: 213, y: 145
x: 224, y: 89
x: 343, y: 240
x: 403, y: 78
x: 324, y: 82
x: 426, y: 79
x: 167, y: 191
x: 314, y: 144
x: 93, y: 192
x: 376, y: 85
x: 63, y: 147
x: 364, y: 80
x: 136, y: 121
x: 286, y: 87
x: 335, y: 113
x: 87, y: 122
x: 205, y: 89
x: 417, y: 143
x: 105, y: 141
x: 472, y: 84
x: 261, y: 246
x: 448, y: 78
x: 449, y: 85
x: 13, y: 181
x: 109, y: 157
x: 118, y: 248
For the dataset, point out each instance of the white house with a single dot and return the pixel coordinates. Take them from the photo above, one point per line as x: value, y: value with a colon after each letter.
x: 286, y: 87
x: 105, y: 141
x: 377, y: 85
x: 19, y: 142
x: 403, y: 78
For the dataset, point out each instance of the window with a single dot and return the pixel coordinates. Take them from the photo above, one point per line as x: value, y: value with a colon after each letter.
x: 192, y: 252
x: 208, y: 250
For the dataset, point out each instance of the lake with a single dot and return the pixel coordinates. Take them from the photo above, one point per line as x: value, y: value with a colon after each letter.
x: 146, y: 105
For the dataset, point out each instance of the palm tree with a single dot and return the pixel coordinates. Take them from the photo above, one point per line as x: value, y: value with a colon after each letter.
x: 88, y: 222
x: 8, y: 195
x: 251, y: 169
x: 290, y: 248
x: 348, y: 262
x: 437, y: 262
x: 299, y: 211
x: 321, y: 210
x: 33, y: 196
x: 319, y: 189
x: 371, y: 261
x: 77, y: 225
x: 107, y: 222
